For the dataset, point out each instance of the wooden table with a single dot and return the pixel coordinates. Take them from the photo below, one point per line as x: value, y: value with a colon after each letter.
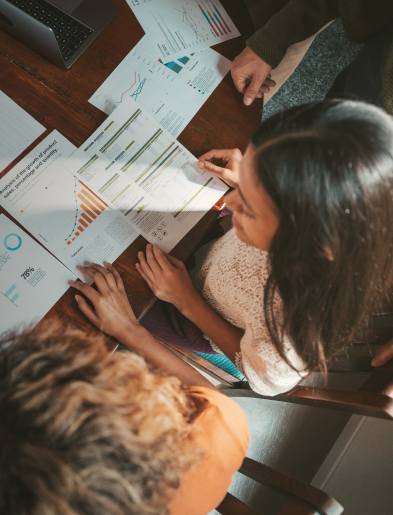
x: 58, y: 99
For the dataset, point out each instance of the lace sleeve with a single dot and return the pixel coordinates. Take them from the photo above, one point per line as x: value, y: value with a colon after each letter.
x: 238, y: 362
x: 262, y: 365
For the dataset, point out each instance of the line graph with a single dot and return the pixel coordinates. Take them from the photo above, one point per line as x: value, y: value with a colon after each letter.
x: 76, y: 213
x: 138, y: 89
x: 178, y: 27
x: 187, y: 20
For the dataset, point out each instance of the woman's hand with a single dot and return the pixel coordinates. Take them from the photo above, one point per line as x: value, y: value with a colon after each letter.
x: 223, y: 163
x: 111, y: 311
x: 166, y: 276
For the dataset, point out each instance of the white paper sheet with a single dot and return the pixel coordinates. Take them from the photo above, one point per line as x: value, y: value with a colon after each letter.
x: 31, y: 280
x: 139, y: 169
x: 178, y: 27
x: 18, y: 130
x: 172, y: 92
x: 60, y: 211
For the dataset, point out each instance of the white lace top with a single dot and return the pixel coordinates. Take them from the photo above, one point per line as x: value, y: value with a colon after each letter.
x: 231, y: 277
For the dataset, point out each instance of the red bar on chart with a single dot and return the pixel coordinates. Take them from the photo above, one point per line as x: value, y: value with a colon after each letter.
x: 82, y: 223
x: 215, y: 24
x: 86, y: 210
x: 80, y: 229
x: 86, y: 218
x: 221, y: 18
x: 209, y: 22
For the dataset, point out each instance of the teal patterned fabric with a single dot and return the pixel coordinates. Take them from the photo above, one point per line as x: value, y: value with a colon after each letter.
x: 220, y: 360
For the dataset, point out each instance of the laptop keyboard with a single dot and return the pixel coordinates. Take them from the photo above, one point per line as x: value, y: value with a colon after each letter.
x: 69, y: 32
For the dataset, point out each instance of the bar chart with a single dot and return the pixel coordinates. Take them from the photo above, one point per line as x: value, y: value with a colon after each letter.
x: 175, y: 66
x: 88, y: 207
x: 213, y: 15
x: 176, y: 27
x: 11, y: 294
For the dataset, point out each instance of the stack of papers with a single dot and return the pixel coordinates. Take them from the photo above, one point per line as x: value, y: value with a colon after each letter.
x: 172, y: 71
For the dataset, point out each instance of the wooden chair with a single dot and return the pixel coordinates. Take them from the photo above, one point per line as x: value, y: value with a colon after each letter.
x: 303, y: 499
x: 373, y: 399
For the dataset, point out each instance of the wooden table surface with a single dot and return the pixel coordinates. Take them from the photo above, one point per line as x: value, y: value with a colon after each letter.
x: 58, y: 99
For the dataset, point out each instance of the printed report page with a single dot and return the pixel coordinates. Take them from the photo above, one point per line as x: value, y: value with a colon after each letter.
x: 62, y: 212
x: 138, y: 169
x: 31, y: 279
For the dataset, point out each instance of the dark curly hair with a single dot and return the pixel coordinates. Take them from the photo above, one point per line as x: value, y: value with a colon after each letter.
x: 86, y: 432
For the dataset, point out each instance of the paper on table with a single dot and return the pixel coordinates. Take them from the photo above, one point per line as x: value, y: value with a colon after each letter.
x: 18, y: 130
x: 172, y: 92
x: 31, y: 280
x: 178, y: 27
x: 60, y: 211
x: 138, y: 168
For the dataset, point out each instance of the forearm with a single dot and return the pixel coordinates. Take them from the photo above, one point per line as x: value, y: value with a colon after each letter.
x: 143, y: 343
x: 225, y: 335
x: 295, y: 22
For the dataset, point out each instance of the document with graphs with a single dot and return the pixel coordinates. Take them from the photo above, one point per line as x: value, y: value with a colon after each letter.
x: 31, y: 280
x: 142, y: 172
x: 171, y: 91
x: 179, y: 27
x: 61, y: 211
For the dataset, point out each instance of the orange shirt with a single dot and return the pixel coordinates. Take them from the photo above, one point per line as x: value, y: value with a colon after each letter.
x: 223, y: 435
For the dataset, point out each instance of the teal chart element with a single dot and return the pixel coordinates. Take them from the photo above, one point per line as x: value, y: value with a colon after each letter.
x: 138, y: 89
x: 13, y: 245
x: 10, y: 290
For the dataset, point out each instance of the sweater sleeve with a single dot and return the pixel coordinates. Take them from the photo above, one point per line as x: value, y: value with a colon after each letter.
x: 297, y: 21
x: 221, y: 431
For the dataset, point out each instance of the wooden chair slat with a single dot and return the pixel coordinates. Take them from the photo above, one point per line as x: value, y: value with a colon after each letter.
x: 233, y: 506
x: 285, y: 484
x: 296, y: 506
x: 381, y: 381
x: 359, y: 403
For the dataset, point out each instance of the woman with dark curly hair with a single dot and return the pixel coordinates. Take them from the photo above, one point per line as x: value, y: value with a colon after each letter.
x: 86, y: 432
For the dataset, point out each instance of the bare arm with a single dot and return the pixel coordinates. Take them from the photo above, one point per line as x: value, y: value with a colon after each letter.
x: 168, y: 279
x: 112, y: 314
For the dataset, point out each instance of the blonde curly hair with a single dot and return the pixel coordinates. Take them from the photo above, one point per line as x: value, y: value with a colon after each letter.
x: 86, y: 432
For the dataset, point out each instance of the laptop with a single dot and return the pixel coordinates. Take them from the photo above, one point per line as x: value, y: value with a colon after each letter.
x: 60, y: 30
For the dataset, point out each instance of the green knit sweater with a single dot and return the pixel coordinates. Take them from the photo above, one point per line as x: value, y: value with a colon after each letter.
x: 300, y: 19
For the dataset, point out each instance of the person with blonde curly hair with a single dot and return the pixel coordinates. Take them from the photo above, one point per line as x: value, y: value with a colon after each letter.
x: 87, y: 432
